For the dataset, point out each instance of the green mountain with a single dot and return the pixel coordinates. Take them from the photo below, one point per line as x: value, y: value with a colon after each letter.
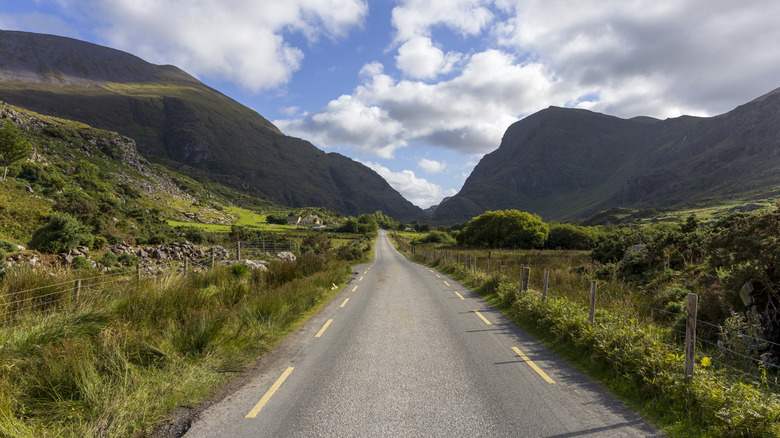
x: 569, y: 163
x: 180, y: 122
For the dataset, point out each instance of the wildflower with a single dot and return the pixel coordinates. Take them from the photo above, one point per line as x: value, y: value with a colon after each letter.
x: 705, y: 362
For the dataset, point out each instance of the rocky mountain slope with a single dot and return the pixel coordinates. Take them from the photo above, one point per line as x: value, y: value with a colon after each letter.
x: 568, y: 163
x: 179, y: 121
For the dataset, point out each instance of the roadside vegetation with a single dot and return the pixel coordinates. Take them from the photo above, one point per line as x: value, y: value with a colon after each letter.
x: 643, y: 276
x: 96, y: 347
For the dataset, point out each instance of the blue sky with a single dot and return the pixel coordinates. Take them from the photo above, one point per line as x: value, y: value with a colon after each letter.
x: 420, y: 90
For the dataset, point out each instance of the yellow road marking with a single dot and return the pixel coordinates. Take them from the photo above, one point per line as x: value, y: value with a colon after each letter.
x: 322, y: 330
x: 344, y: 303
x: 483, y: 318
x: 533, y: 365
x: 361, y: 278
x: 446, y: 283
x: 354, y: 289
x: 253, y: 413
x: 461, y: 296
x: 438, y: 276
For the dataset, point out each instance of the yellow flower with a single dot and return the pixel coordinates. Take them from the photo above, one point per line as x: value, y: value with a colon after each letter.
x: 705, y: 362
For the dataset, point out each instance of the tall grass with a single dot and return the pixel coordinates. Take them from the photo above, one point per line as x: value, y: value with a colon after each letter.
x: 115, y: 364
x: 623, y: 348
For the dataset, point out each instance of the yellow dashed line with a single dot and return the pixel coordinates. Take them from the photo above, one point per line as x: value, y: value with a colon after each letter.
x: 533, y: 365
x: 253, y: 413
x: 483, y: 318
x: 446, y: 283
x: 361, y: 279
x: 461, y: 297
x: 344, y: 303
x: 322, y: 330
x: 354, y: 289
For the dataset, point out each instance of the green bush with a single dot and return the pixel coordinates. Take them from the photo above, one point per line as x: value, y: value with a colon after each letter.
x: 7, y: 246
x: 115, y: 239
x: 61, y: 234
x: 109, y: 259
x: 128, y: 259
x: 2, y: 258
x: 99, y: 243
x: 81, y: 262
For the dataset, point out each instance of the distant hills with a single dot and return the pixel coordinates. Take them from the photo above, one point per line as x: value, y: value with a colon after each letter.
x: 570, y: 163
x: 178, y: 121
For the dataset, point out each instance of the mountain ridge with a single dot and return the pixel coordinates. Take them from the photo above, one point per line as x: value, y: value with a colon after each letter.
x: 570, y: 163
x: 176, y: 120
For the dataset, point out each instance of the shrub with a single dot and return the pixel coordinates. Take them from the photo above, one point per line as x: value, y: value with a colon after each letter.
x: 2, y: 258
x: 109, y: 259
x: 128, y: 259
x: 61, y: 234
x: 81, y: 262
x: 99, y: 243
x: 7, y: 246
x: 115, y: 239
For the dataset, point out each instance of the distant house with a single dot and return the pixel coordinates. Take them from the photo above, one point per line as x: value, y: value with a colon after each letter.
x: 311, y: 220
x: 293, y: 220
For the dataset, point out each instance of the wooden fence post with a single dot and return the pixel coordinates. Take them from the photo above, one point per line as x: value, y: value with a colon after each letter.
x: 544, y: 288
x: 522, y: 277
x: 499, y: 268
x: 212, y: 258
x: 76, y: 289
x: 592, y: 302
x: 690, y: 335
x: 487, y: 267
x: 238, y: 250
x: 186, y: 266
x: 526, y: 277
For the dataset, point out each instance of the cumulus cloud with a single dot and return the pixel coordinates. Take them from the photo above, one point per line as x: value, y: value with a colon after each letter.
x: 467, y: 113
x: 416, y: 17
x: 418, y: 58
x: 241, y: 41
x: 660, y: 58
x: 431, y: 166
x: 418, y: 191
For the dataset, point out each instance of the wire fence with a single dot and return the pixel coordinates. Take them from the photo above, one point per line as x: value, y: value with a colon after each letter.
x: 20, y: 305
x: 752, y: 357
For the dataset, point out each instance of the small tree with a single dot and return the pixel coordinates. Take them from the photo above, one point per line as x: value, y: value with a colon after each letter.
x: 13, y: 146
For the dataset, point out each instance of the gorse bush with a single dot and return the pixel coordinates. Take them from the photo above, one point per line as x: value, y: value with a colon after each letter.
x: 62, y: 233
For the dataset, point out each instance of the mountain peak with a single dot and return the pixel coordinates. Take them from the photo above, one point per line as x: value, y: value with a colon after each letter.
x: 178, y: 121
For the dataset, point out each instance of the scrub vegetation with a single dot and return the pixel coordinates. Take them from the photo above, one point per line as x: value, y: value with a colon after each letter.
x: 643, y: 276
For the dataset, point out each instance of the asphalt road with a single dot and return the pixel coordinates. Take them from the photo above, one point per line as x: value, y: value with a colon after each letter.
x: 406, y: 351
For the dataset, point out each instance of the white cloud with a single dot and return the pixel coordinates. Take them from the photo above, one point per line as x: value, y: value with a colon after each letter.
x: 416, y: 17
x: 418, y: 58
x: 418, y: 191
x: 650, y: 57
x: 431, y: 166
x: 468, y: 113
x: 242, y: 40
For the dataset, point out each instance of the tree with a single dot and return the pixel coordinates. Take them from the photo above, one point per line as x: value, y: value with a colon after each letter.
x: 13, y: 146
x: 505, y: 228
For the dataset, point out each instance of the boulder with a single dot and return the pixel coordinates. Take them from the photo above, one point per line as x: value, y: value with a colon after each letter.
x: 287, y: 256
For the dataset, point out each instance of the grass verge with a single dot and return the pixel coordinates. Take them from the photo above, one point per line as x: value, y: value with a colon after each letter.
x: 117, y: 364
x: 628, y: 358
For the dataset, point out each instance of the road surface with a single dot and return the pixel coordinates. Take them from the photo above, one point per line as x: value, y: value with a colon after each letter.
x: 404, y: 350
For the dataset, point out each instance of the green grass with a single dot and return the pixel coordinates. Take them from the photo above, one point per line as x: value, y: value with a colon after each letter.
x: 116, y: 363
x: 624, y: 350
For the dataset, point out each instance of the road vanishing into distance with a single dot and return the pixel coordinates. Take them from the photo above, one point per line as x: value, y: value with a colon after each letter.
x: 405, y: 351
